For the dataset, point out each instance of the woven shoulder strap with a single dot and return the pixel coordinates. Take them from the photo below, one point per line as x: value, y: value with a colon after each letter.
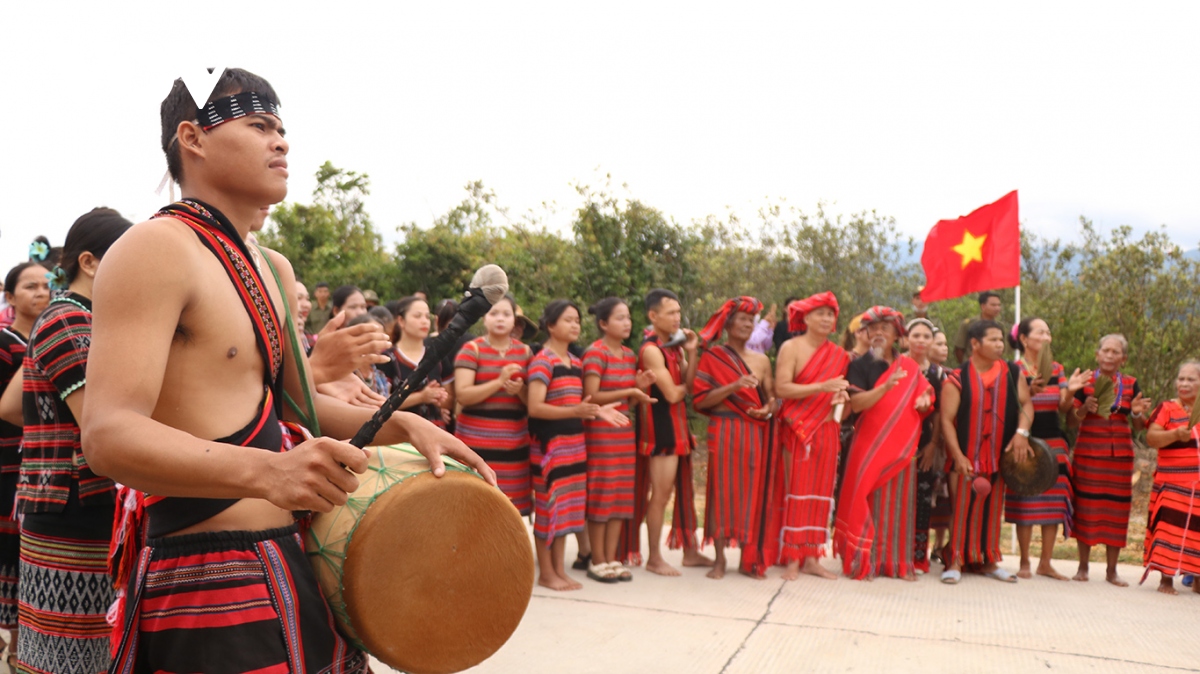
x: 308, y: 416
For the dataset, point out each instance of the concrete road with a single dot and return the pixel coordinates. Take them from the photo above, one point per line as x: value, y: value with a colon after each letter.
x: 738, y: 625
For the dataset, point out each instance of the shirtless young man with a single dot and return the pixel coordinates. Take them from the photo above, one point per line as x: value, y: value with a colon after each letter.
x: 185, y: 350
x: 663, y: 435
x: 810, y: 379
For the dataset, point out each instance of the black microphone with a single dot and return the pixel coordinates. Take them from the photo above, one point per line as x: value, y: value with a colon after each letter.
x: 488, y: 286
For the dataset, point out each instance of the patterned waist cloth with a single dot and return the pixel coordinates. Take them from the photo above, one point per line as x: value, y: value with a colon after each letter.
x: 230, y: 601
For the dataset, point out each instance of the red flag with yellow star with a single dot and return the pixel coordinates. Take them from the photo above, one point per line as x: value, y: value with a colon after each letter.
x: 980, y: 251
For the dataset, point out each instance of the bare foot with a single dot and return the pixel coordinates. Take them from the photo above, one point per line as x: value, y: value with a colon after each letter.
x: 558, y: 584
x: 912, y: 578
x: 1167, y: 586
x: 718, y: 571
x: 793, y: 570
x: 661, y: 567
x: 1081, y: 575
x: 1049, y: 572
x: 694, y: 558
x: 1113, y: 578
x: 813, y: 568
x: 1024, y: 572
x: 750, y: 574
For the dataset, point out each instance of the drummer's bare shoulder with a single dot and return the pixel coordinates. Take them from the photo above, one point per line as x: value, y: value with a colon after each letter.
x: 140, y: 294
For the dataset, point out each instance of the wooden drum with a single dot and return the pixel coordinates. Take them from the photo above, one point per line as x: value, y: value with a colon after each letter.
x: 427, y: 574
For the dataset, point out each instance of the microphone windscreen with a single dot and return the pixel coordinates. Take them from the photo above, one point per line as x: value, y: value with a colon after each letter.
x: 492, y: 280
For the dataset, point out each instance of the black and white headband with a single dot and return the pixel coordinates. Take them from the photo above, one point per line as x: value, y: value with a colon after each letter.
x: 232, y: 107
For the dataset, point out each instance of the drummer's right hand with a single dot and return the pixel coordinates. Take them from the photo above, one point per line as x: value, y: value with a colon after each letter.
x: 313, y: 475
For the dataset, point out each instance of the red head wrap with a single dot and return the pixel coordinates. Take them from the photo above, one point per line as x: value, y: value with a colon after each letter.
x: 712, y: 329
x: 798, y: 309
x: 881, y: 314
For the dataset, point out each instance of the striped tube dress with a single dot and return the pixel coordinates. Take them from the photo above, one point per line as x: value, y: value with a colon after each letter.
x: 12, y: 353
x: 1103, y: 468
x: 558, y: 451
x: 497, y: 428
x: 1173, y: 530
x: 1054, y: 506
x: 611, y: 450
x: 66, y: 509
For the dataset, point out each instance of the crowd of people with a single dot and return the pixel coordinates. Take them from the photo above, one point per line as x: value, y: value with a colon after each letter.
x: 864, y: 447
x: 170, y: 394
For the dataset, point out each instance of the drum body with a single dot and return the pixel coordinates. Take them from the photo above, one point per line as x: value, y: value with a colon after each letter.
x: 427, y: 574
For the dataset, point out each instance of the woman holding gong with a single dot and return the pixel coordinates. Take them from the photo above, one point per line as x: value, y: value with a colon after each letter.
x: 1052, y: 394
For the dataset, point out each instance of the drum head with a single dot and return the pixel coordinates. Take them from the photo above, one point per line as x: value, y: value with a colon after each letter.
x: 1032, y: 476
x: 438, y: 573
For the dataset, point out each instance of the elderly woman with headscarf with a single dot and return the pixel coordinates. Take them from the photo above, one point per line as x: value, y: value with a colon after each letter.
x: 1103, y: 461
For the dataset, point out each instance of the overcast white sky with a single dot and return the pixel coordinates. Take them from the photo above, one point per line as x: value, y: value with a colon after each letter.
x: 919, y: 111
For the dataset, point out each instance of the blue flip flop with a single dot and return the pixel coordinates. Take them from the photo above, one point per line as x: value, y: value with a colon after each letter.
x: 951, y: 577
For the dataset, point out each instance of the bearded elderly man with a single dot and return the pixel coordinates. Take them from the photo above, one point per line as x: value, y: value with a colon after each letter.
x: 874, y: 530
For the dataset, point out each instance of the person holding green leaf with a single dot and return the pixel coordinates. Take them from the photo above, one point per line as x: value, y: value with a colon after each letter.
x: 1052, y: 392
x: 1108, y: 410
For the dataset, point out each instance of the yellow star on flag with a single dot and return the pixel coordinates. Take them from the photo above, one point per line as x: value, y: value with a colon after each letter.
x: 971, y: 248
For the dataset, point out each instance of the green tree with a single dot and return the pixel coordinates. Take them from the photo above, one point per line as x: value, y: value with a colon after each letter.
x: 332, y: 239
x: 625, y: 248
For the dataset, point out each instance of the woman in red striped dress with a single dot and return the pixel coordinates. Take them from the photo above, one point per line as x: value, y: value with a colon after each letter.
x: 1103, y: 462
x: 489, y: 383
x: 1052, y: 395
x: 1173, y: 526
x: 558, y: 453
x: 610, y: 375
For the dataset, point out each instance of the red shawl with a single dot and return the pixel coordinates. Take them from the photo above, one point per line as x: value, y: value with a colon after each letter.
x: 885, y: 441
x: 803, y: 415
x: 721, y: 366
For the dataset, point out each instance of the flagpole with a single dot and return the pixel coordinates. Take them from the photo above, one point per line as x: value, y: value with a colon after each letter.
x: 1017, y: 352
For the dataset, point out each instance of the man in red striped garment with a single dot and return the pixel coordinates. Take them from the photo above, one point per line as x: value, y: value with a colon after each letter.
x: 664, y: 442
x: 874, y: 526
x: 732, y: 387
x: 986, y: 411
x: 810, y: 379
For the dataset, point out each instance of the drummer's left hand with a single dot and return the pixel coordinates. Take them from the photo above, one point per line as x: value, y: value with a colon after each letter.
x: 1020, y: 446
x: 433, y: 443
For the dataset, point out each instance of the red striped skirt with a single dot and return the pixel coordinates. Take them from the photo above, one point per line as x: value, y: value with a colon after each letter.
x: 66, y: 591
x: 611, y: 471
x: 975, y: 524
x: 735, y: 480
x: 811, y: 475
x: 1103, y: 491
x: 504, y: 444
x: 559, y: 486
x: 230, y: 601
x: 1053, y: 506
x: 1173, y: 532
x: 893, y: 511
